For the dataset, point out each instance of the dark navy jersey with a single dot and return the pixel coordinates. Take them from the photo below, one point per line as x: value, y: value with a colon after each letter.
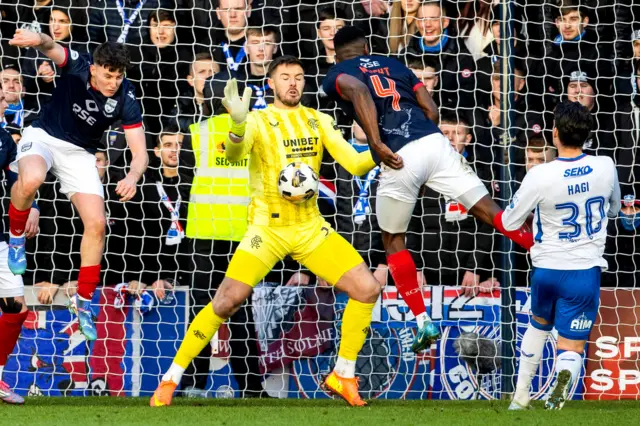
x: 392, y: 86
x: 79, y: 114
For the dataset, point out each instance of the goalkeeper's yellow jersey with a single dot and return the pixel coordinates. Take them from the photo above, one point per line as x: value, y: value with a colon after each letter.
x: 277, y: 137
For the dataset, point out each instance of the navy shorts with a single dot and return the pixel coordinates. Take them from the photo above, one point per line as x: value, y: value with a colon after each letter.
x: 568, y: 300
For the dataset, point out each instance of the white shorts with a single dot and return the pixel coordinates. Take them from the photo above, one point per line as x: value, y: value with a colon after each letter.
x: 10, y: 285
x: 431, y: 161
x: 72, y: 165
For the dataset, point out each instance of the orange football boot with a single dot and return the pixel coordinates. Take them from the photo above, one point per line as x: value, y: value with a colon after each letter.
x: 347, y: 389
x: 162, y: 396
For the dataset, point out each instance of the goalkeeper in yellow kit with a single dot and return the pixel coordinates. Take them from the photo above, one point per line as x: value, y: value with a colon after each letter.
x: 283, y: 133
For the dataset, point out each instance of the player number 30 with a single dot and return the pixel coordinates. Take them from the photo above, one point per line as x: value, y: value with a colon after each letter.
x: 592, y: 223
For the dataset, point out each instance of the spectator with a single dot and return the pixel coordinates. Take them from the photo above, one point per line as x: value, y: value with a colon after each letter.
x: 463, y: 84
x: 623, y: 238
x: 122, y: 21
x: 475, y: 27
x: 427, y: 72
x: 40, y: 71
x: 402, y: 24
x: 456, y: 247
x: 165, y: 196
x: 575, y: 47
x: 581, y: 87
x: 539, y: 152
x: 11, y: 82
x: 261, y: 46
x: 627, y: 135
x: 322, y: 54
x: 518, y: 105
x: 192, y: 108
x: 231, y: 38
x: 216, y: 222
x: 161, y: 60
x: 531, y: 127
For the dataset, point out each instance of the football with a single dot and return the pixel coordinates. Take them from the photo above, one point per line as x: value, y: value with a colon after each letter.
x: 297, y: 183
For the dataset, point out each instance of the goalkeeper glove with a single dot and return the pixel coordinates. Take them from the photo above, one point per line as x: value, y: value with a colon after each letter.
x: 237, y: 107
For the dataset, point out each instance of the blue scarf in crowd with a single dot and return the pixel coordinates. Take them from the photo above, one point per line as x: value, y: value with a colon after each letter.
x: 17, y: 110
x: 630, y: 222
x: 260, y: 93
x: 559, y: 40
x: 362, y: 208
x: 444, y: 39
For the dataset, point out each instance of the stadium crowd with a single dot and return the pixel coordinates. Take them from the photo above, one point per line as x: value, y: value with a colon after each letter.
x: 186, y: 220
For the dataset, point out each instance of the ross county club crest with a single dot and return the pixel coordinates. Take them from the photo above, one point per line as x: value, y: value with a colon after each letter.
x: 110, y: 106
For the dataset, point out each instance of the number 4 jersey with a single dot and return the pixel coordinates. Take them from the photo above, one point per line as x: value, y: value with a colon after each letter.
x: 392, y: 86
x: 571, y: 199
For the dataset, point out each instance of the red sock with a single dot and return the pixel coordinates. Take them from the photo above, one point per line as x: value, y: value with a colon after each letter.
x: 10, y: 327
x: 17, y: 220
x: 404, y: 273
x: 522, y: 236
x: 88, y: 280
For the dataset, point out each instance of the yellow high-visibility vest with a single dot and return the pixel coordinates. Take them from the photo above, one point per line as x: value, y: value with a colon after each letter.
x: 220, y: 189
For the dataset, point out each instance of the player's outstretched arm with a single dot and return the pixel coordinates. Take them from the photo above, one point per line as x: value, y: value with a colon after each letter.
x: 238, y: 142
x: 353, y: 90
x: 42, y: 42
x: 522, y: 203
x: 126, y: 188
x: 356, y: 163
x: 427, y: 104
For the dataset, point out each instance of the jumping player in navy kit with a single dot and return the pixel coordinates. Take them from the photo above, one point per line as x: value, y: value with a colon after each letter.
x: 399, y: 117
x: 90, y: 96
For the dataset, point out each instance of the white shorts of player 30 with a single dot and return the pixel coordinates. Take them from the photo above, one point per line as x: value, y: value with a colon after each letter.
x: 72, y: 165
x: 10, y: 285
x: 432, y: 161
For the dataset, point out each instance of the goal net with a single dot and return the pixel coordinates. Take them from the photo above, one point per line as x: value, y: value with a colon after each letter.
x: 496, y: 70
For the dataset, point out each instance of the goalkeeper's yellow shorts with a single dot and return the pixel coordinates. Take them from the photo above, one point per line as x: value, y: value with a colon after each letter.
x: 313, y: 244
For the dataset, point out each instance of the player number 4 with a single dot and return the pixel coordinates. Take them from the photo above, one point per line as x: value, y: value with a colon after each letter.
x: 595, y: 203
x: 385, y: 92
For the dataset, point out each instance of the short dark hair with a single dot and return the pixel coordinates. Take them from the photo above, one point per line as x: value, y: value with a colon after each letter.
x: 574, y: 123
x: 420, y: 63
x: 538, y: 144
x: 283, y: 60
x: 330, y: 13
x: 203, y: 56
x: 455, y: 118
x: 113, y: 56
x: 348, y: 35
x: 160, y: 15
x: 267, y: 30
x: 168, y: 129
x: 568, y: 6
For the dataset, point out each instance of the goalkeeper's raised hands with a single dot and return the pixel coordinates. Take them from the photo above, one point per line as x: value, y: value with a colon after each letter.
x: 236, y: 106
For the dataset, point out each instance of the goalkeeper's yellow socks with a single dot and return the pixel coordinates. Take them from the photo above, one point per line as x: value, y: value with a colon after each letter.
x: 202, y: 329
x: 355, y: 327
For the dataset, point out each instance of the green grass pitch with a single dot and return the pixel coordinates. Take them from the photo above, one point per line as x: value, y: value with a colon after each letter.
x: 135, y: 411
